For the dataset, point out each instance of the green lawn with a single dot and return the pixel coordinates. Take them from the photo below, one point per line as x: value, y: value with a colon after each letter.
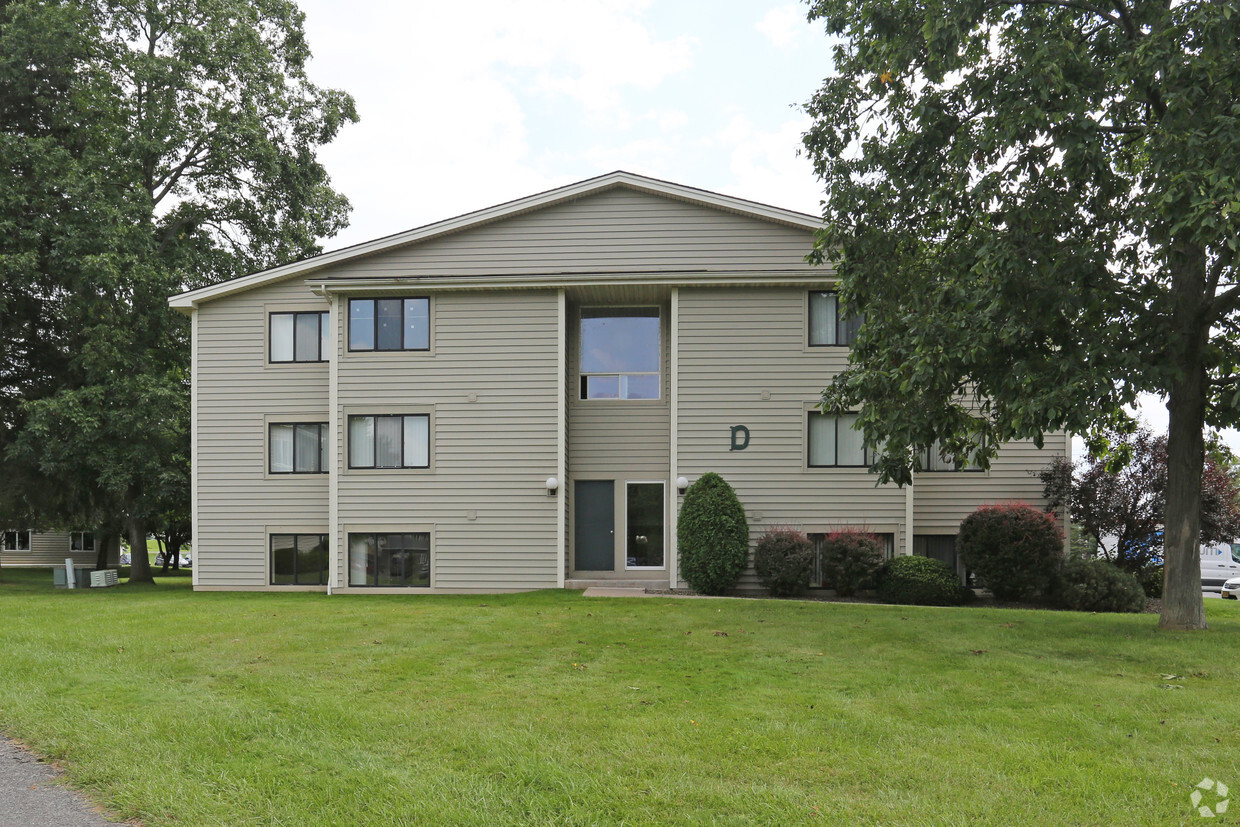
x: 550, y: 708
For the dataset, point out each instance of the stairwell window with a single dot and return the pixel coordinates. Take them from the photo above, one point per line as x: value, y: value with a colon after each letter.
x: 830, y: 323
x: 620, y: 353
x: 933, y: 459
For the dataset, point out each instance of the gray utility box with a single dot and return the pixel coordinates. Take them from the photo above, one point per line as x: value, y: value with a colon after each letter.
x: 81, y: 576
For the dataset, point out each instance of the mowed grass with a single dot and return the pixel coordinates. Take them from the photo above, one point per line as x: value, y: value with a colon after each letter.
x: 551, y: 708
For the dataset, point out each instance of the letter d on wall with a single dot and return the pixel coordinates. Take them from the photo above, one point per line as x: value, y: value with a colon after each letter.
x: 740, y: 438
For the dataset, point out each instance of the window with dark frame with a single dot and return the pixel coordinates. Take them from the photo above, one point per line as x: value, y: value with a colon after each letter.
x: 830, y: 324
x: 82, y: 541
x: 299, y: 559
x: 298, y: 448
x: 299, y: 337
x: 389, y: 324
x: 16, y: 540
x: 620, y: 353
x: 393, y: 560
x: 389, y: 441
x: 933, y: 459
x: 941, y: 547
x: 833, y: 442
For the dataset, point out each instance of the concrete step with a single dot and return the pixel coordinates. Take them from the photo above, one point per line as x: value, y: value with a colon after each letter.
x: 576, y: 583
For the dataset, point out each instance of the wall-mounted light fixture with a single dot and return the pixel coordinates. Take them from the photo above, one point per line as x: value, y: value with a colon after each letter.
x: 553, y: 485
x: 681, y: 484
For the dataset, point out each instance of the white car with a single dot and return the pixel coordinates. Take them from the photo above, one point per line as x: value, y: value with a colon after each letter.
x: 1231, y: 589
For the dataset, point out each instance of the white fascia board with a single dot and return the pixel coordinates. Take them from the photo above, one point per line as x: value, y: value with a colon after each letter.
x: 189, y: 299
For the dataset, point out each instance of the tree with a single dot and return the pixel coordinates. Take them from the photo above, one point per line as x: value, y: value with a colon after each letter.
x: 1122, y: 510
x: 1035, y: 206
x: 712, y: 535
x: 159, y: 145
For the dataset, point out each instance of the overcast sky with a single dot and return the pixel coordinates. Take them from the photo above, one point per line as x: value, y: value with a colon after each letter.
x: 467, y: 105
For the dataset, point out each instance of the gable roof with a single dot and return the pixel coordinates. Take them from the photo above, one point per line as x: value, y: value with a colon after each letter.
x: 190, y: 299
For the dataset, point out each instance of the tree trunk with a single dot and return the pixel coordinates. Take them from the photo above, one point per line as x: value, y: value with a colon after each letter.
x: 1182, y: 603
x: 103, y: 541
x: 139, y: 563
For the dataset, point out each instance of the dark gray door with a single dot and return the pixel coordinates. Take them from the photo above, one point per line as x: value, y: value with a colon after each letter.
x: 594, y: 525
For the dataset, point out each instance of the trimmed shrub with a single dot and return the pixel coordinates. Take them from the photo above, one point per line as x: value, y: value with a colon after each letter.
x: 849, y: 558
x: 784, y: 560
x: 1014, y: 549
x: 919, y: 581
x: 1151, y: 578
x: 1090, y: 585
x: 713, y: 536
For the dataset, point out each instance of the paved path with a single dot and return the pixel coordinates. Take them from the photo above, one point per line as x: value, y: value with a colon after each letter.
x: 29, y: 797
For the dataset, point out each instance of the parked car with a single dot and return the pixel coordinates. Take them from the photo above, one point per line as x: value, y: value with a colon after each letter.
x: 1219, y: 563
x: 1231, y: 589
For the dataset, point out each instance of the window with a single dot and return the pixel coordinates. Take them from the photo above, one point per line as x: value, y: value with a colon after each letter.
x: 82, y: 541
x: 298, y: 448
x: 401, y: 441
x: 389, y: 324
x: 620, y: 353
x: 940, y: 547
x: 817, y: 579
x: 300, y: 337
x: 299, y: 559
x: 829, y: 323
x: 16, y: 541
x: 933, y: 459
x: 390, y: 559
x: 834, y: 442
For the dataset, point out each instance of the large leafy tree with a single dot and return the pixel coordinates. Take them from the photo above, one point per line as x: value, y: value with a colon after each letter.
x: 1036, y: 205
x: 146, y: 146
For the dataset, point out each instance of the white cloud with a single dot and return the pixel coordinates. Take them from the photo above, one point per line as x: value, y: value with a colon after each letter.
x: 765, y: 164
x: 784, y: 25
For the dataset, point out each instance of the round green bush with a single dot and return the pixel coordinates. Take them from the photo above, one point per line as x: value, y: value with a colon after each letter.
x: 784, y: 560
x: 919, y: 581
x: 1090, y: 585
x: 1151, y: 578
x: 1014, y: 549
x: 713, y: 536
x: 849, y: 558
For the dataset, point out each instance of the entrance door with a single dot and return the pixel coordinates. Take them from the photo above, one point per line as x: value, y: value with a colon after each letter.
x: 594, y: 525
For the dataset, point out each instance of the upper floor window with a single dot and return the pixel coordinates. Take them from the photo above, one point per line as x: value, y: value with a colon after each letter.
x: 298, y: 448
x: 933, y: 459
x: 300, y: 337
x: 834, y: 442
x: 82, y: 541
x: 389, y: 324
x: 15, y: 541
x: 620, y: 353
x: 390, y: 441
x: 829, y: 322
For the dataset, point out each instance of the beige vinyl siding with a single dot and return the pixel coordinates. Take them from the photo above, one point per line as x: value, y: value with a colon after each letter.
x: 619, y: 230
x: 735, y: 345
x: 46, y: 549
x: 238, y: 394
x: 490, y: 456
x: 941, y: 499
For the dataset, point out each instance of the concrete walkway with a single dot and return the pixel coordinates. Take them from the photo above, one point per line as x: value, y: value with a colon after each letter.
x: 30, y: 796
